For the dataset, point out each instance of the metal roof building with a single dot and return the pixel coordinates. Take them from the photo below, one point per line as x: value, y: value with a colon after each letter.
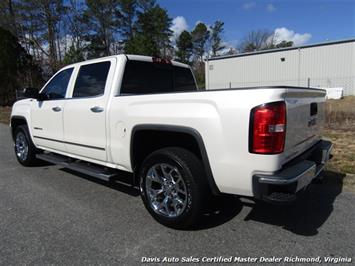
x: 325, y: 65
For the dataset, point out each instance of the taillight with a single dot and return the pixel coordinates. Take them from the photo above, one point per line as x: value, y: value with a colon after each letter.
x: 268, y: 128
x: 159, y: 60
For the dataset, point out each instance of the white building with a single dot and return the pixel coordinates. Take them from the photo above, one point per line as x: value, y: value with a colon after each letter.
x: 325, y: 65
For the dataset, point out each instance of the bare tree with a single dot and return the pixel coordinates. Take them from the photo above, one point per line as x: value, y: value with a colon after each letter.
x: 262, y: 40
x: 40, y: 28
x: 77, y: 30
x: 257, y: 40
x: 8, y: 16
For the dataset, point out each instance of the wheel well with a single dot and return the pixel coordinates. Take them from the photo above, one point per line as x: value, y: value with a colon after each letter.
x: 145, y: 142
x: 15, y: 122
x: 147, y: 138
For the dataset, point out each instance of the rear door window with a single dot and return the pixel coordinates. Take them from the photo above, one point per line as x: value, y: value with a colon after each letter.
x: 91, y: 80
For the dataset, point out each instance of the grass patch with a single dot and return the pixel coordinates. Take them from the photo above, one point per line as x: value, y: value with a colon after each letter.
x: 340, y: 114
x: 340, y: 128
x: 5, y: 114
x: 343, y: 160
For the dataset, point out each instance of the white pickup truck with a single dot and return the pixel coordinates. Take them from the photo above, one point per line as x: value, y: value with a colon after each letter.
x: 146, y: 116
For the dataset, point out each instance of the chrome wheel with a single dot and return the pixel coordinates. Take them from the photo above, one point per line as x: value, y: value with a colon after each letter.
x: 166, y: 190
x: 21, y: 146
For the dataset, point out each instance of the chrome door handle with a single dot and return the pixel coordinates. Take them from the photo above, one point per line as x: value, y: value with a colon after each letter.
x: 97, y: 109
x: 57, y: 109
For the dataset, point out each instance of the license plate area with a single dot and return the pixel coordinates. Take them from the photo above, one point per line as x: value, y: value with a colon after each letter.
x: 306, y: 178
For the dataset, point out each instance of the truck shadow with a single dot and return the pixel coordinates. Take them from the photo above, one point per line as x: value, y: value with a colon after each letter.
x: 220, y: 210
x: 302, y: 217
x: 308, y: 213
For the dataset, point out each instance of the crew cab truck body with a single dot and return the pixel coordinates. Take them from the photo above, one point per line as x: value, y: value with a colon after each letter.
x: 146, y: 116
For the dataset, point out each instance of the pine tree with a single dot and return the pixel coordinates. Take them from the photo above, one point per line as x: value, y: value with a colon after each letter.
x: 102, y: 20
x: 216, y: 39
x: 129, y: 9
x: 76, y: 28
x: 200, y: 36
x: 144, y: 5
x: 73, y: 55
x: 184, y: 47
x: 153, y: 33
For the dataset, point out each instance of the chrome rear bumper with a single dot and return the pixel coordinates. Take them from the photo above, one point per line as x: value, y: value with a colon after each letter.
x: 294, y: 176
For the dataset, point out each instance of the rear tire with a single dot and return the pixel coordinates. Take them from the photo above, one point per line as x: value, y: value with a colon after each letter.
x: 173, y: 187
x: 25, y: 150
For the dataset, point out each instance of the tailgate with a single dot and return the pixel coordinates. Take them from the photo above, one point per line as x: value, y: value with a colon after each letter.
x: 305, y: 120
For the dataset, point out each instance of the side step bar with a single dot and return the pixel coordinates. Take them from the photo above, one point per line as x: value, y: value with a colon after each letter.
x: 93, y: 170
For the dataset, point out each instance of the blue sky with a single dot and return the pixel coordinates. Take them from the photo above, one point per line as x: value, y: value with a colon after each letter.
x: 304, y: 22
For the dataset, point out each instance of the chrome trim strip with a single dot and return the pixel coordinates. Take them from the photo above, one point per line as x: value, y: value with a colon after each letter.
x: 71, y: 143
x: 267, y: 180
x: 299, y: 143
x: 320, y: 169
x: 326, y: 153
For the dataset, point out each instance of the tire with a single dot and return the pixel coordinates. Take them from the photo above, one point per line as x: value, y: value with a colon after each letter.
x: 178, y: 201
x: 25, y: 150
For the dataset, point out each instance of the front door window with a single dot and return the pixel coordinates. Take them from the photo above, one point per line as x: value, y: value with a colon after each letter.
x: 57, y: 87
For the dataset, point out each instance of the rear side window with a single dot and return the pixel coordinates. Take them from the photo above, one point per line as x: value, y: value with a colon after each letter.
x: 146, y: 77
x: 57, y: 87
x: 91, y: 80
x: 184, y: 80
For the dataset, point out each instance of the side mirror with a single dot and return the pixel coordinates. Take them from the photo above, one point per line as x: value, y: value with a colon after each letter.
x: 27, y: 93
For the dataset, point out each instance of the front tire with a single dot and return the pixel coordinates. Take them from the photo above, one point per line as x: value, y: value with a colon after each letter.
x: 25, y: 150
x: 173, y: 187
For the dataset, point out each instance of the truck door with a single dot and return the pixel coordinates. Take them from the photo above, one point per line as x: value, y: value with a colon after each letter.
x: 85, y: 113
x: 47, y: 115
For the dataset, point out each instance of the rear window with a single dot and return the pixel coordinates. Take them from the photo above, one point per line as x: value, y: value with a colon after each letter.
x: 184, y: 80
x: 145, y: 78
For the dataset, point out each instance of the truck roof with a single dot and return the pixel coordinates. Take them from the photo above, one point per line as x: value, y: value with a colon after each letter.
x: 132, y: 57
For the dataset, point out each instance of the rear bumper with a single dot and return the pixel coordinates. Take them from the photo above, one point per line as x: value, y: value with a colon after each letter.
x: 284, y: 185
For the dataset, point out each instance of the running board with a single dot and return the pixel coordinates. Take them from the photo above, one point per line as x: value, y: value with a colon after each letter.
x: 90, y: 169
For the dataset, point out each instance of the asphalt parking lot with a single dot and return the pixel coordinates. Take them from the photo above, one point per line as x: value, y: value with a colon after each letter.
x: 49, y: 215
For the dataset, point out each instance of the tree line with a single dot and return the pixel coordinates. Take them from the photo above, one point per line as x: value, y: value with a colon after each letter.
x: 38, y: 37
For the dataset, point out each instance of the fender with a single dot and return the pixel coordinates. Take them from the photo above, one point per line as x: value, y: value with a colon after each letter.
x: 20, y: 118
x: 180, y: 129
